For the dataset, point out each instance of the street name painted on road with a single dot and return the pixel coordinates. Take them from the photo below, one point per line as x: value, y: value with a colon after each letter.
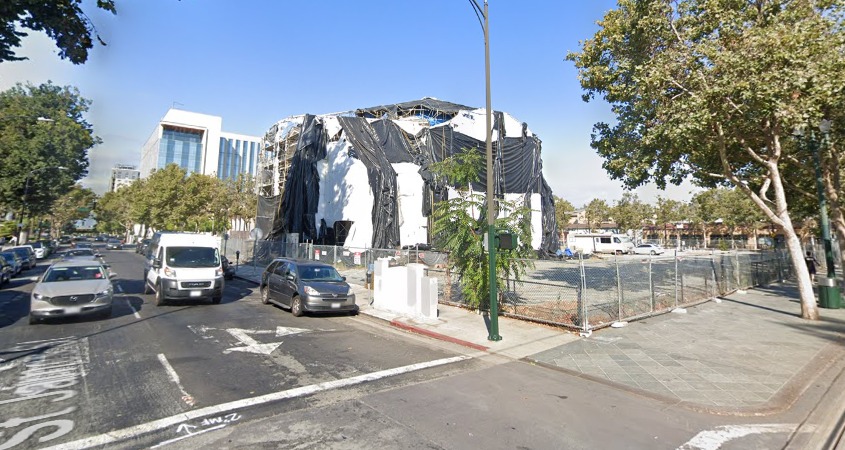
x: 48, y: 369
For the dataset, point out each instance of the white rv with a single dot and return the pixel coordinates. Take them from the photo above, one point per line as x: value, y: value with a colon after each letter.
x: 600, y: 243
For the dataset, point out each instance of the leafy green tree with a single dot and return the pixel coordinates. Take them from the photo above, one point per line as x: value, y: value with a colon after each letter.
x: 667, y: 212
x: 162, y: 196
x: 62, y: 20
x: 114, y: 210
x: 562, y: 210
x: 596, y: 212
x: 629, y: 212
x: 738, y: 212
x: 460, y: 225
x: 713, y: 90
x: 242, y: 201
x: 705, y: 211
x: 74, y: 205
x: 194, y: 207
x: 44, y: 143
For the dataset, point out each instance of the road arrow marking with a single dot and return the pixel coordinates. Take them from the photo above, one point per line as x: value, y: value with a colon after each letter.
x: 286, y: 331
x: 250, y: 345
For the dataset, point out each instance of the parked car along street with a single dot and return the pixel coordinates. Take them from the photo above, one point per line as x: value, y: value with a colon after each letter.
x: 648, y: 249
x: 14, y: 260
x: 306, y: 286
x: 6, y: 271
x: 114, y: 244
x: 27, y: 255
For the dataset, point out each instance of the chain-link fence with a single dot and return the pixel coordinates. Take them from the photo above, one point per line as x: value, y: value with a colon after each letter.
x: 591, y: 293
x: 576, y: 293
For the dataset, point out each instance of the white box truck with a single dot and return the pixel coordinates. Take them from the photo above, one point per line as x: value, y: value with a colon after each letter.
x: 184, y: 266
x: 587, y: 243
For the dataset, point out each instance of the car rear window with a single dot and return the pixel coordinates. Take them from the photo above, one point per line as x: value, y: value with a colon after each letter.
x: 75, y: 273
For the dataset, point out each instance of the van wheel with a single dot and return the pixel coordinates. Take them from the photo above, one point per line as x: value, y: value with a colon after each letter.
x: 265, y: 294
x: 296, y: 306
x: 216, y: 300
x: 147, y: 289
x: 159, y: 298
x: 32, y: 319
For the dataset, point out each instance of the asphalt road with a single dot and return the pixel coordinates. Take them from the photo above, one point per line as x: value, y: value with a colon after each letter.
x: 246, y: 375
x: 67, y: 380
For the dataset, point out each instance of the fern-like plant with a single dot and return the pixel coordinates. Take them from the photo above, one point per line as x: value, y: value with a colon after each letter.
x: 460, y: 226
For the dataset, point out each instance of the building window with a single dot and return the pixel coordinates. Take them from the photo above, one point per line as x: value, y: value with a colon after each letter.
x: 181, y: 146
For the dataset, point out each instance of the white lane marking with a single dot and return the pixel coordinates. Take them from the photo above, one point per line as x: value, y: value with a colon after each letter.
x: 713, y: 439
x: 134, y: 311
x: 175, y: 378
x: 185, y: 436
x: 137, y: 430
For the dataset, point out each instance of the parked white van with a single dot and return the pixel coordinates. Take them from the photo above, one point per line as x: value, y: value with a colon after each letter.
x: 600, y: 243
x: 183, y: 266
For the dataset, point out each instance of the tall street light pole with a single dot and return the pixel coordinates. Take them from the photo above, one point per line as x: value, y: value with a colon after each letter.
x: 491, y: 201
x: 26, y: 195
x: 829, y: 295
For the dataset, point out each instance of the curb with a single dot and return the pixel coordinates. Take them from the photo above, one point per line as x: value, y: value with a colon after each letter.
x: 824, y: 427
x: 407, y: 327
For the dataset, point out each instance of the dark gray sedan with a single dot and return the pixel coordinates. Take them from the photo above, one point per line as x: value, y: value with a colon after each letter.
x: 306, y: 286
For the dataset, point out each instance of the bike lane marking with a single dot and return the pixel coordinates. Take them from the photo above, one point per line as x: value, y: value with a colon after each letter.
x: 223, y: 408
x: 171, y: 372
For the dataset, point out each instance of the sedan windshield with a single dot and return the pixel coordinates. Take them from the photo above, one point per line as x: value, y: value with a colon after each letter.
x: 192, y: 257
x: 319, y: 274
x: 79, y: 252
x: 75, y: 273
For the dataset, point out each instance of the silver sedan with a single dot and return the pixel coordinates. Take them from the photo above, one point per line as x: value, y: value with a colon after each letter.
x: 648, y: 249
x: 72, y: 288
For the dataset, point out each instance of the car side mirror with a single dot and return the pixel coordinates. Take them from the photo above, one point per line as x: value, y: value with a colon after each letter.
x: 112, y: 275
x: 156, y: 263
x: 291, y: 277
x: 343, y: 278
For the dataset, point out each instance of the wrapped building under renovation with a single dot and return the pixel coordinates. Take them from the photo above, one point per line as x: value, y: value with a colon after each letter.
x: 360, y: 179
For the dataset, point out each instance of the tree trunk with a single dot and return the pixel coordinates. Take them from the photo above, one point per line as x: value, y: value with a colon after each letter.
x: 805, y: 284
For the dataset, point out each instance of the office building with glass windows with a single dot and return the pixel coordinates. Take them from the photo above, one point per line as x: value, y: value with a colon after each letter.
x: 197, y: 143
x: 123, y: 175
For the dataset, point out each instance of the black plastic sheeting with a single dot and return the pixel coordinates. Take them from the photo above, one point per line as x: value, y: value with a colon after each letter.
x: 298, y: 207
x: 518, y: 167
x: 436, y: 111
x: 382, y: 177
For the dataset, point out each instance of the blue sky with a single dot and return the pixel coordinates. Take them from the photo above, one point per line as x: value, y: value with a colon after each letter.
x: 254, y: 62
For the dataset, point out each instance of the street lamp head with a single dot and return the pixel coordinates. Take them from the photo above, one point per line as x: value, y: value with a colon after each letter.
x: 44, y: 119
x: 824, y: 125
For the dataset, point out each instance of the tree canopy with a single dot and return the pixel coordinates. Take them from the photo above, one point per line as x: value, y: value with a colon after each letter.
x: 44, y: 143
x: 63, y: 21
x: 712, y: 90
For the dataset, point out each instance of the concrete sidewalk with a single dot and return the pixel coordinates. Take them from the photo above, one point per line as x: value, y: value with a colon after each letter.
x: 747, y: 354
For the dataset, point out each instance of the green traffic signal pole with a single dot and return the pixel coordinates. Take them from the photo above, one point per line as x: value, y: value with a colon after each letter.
x: 829, y: 294
x: 491, y: 200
